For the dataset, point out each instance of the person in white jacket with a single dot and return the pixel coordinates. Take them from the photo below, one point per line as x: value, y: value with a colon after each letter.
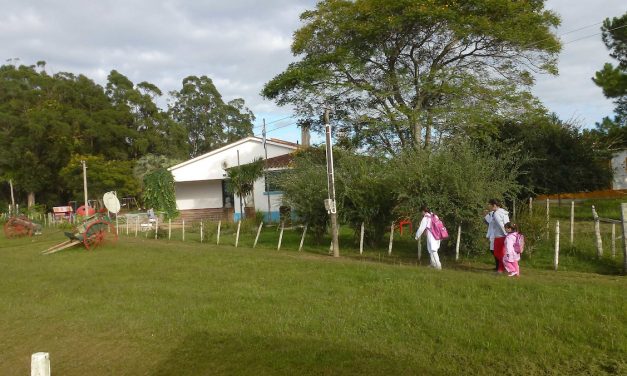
x: 433, y: 245
x: 496, y: 219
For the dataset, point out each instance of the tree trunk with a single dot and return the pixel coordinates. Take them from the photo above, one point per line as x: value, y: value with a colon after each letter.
x: 417, y: 133
x: 31, y: 199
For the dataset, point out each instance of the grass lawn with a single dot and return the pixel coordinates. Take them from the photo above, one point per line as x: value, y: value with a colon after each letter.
x: 146, y: 307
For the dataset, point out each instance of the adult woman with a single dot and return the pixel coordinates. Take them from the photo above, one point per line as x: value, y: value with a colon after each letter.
x: 432, y: 243
x: 496, y: 219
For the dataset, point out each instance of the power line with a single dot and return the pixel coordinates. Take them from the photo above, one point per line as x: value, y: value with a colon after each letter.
x: 593, y: 35
x: 274, y: 121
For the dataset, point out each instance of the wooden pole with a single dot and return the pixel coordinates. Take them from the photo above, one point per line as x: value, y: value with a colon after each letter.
x: 201, y: 232
x: 548, y: 219
x: 623, y: 217
x: 391, y: 239
x: 572, y: 222
x: 12, y: 197
x: 557, y: 244
x: 136, y: 225
x: 156, y: 227
x: 331, y: 186
x: 40, y: 364
x: 302, y: 239
x: 218, y: 238
x: 419, y: 250
x: 239, y: 224
x: 85, y: 187
x: 459, y: 234
x: 278, y: 248
x: 259, y: 232
x: 597, y: 232
x: 530, y: 206
x: 514, y: 210
x: 183, y: 229
x: 169, y: 228
x: 613, y: 240
x: 127, y: 218
x: 361, y: 240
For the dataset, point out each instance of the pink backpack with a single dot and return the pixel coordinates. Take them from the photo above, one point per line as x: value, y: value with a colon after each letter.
x: 438, y: 230
x: 519, y: 243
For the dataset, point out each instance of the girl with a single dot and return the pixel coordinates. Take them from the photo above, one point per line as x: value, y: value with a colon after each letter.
x: 510, y: 260
x: 432, y: 244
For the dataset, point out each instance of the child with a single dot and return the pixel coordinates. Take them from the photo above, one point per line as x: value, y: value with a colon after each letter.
x: 496, y: 220
x: 432, y: 243
x: 510, y: 260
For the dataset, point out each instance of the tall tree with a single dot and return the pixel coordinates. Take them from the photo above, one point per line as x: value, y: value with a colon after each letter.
x: 613, y: 80
x: 210, y: 123
x: 399, y: 72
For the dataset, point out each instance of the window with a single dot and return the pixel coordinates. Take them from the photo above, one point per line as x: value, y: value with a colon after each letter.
x: 273, y: 180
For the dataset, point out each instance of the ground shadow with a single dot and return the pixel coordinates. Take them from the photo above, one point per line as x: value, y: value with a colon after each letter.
x: 205, y: 353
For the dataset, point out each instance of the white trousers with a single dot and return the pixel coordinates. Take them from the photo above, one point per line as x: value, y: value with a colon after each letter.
x: 435, y: 260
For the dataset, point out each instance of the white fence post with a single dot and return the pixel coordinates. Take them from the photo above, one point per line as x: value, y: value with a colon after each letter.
x: 201, y: 230
x: 557, y: 244
x: 169, y: 228
x: 278, y: 248
x: 459, y: 234
x: 218, y: 238
x: 239, y: 224
x: 623, y: 217
x: 391, y: 239
x: 156, y: 227
x: 259, y: 232
x: 597, y: 232
x: 613, y: 240
x: 40, y: 364
x: 183, y: 230
x: 302, y: 239
x: 361, y: 240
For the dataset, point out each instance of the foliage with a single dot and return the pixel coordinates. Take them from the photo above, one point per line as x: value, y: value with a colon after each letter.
x: 159, y: 192
x: 151, y: 162
x: 561, y: 159
x: 456, y: 182
x: 209, y: 122
x: 242, y: 178
x: 613, y: 79
x: 400, y: 72
x: 102, y: 176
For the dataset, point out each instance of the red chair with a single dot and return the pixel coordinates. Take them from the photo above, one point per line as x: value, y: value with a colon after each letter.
x: 403, y: 222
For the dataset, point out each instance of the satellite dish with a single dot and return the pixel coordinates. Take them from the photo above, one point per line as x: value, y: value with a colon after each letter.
x: 111, y: 202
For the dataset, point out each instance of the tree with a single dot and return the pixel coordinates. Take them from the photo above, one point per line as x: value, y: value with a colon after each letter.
x: 242, y: 179
x: 159, y: 192
x: 400, y: 72
x: 209, y: 122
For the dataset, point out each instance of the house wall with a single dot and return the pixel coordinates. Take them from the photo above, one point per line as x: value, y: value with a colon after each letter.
x: 619, y: 168
x: 211, y: 166
x: 198, y: 194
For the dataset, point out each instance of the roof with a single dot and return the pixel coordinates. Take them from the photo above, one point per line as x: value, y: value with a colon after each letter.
x: 280, y: 162
x: 272, y: 141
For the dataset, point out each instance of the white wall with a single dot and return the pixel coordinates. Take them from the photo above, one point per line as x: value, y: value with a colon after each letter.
x: 261, y: 200
x: 210, y: 166
x: 619, y: 167
x: 198, y: 194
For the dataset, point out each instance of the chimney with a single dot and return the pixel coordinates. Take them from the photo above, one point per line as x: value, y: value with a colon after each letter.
x: 304, y: 134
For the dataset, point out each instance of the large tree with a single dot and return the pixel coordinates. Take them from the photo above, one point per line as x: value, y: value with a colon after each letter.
x: 210, y: 122
x: 398, y: 72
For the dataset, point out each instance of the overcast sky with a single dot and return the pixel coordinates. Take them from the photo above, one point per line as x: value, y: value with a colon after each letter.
x: 241, y: 44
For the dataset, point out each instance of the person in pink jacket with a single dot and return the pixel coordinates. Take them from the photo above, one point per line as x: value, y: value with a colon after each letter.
x: 511, y: 258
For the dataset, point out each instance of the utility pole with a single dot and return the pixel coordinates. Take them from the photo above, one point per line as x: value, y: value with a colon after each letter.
x: 85, y: 187
x: 265, y: 171
x: 331, y: 183
x: 241, y: 210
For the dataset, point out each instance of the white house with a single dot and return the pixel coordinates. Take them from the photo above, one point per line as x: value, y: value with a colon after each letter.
x: 200, y: 182
x: 619, y: 169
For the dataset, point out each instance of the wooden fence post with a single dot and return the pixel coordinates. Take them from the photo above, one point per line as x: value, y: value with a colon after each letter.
x: 557, y: 244
x: 117, y: 232
x: 391, y: 239
x: 459, y: 234
x: 302, y: 239
x: 239, y: 224
x: 258, y: 232
x: 126, y: 225
x: 361, y: 240
x: 40, y: 364
x: 597, y: 232
x: 623, y: 217
x: 514, y: 210
x: 183, y: 229
x: 218, y: 238
x: 419, y: 249
x: 136, y: 225
x: 613, y: 240
x: 548, y: 220
x: 278, y: 248
x: 169, y: 228
x: 530, y: 206
x: 572, y: 222
x: 156, y: 228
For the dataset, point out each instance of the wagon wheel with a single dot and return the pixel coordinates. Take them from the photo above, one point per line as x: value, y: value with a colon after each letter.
x: 97, y: 232
x: 15, y: 228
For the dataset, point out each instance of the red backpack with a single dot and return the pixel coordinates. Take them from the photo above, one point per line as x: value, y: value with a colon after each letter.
x: 438, y: 230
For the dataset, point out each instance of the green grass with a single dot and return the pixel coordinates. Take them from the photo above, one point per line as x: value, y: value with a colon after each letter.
x: 146, y: 307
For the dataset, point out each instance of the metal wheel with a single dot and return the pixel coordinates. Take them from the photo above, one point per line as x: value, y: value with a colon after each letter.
x: 98, y: 232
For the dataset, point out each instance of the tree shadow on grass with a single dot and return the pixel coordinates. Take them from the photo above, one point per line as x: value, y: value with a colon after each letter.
x: 205, y: 353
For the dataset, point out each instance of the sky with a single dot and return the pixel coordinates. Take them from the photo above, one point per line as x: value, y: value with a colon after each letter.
x: 242, y: 44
